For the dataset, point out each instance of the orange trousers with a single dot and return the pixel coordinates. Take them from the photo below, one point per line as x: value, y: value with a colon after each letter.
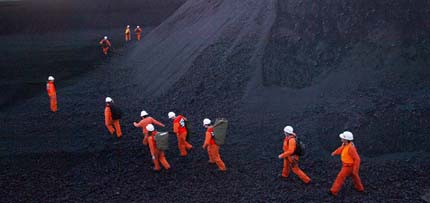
x: 138, y: 37
x: 53, y: 103
x: 127, y: 37
x: 214, y: 157
x: 160, y: 157
x: 105, y: 50
x: 183, y: 145
x: 115, y: 123
x: 292, y: 164
x: 340, y: 179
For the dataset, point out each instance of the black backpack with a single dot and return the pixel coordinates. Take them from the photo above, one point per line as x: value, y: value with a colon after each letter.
x: 116, y: 112
x: 188, y: 127
x: 300, y: 148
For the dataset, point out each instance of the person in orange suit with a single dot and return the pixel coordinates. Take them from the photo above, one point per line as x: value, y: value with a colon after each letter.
x: 111, y: 124
x: 52, y: 93
x: 138, y: 32
x: 158, y: 155
x: 290, y: 159
x: 180, y: 130
x: 127, y: 33
x: 211, y: 146
x: 350, y: 164
x: 146, y: 120
x: 105, y: 43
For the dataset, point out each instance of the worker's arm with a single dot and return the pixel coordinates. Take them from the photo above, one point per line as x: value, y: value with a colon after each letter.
x: 208, y: 137
x: 137, y: 124
x: 357, y: 161
x: 157, y: 122
x: 108, y: 116
x: 291, y: 147
x: 338, y: 151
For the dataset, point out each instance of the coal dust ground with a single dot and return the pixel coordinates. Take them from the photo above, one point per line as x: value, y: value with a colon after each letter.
x: 321, y: 66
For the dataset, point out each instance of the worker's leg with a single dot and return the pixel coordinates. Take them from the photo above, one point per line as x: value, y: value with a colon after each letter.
x: 340, y: 179
x: 117, y: 128
x: 156, y: 162
x: 357, y: 183
x: 181, y: 145
x: 53, y: 102
x: 286, y: 169
x: 145, y: 140
x: 217, y: 158
x: 138, y: 37
x: 302, y: 175
x: 110, y: 128
x: 163, y: 161
x: 210, y: 154
x: 187, y: 145
x: 105, y: 50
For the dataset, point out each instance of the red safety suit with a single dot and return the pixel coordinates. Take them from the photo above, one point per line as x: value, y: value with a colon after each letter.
x: 158, y: 156
x: 143, y: 123
x: 291, y: 160
x: 138, y: 32
x: 105, y: 45
x: 110, y: 123
x: 213, y: 149
x: 52, y: 93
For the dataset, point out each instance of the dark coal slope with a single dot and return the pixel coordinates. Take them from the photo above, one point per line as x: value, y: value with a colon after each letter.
x: 261, y: 65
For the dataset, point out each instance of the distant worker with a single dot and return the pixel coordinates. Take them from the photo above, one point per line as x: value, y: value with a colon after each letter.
x: 158, y: 155
x: 180, y: 129
x: 350, y: 164
x: 146, y: 120
x: 127, y: 33
x: 211, y: 146
x: 112, y: 116
x: 105, y: 43
x: 52, y: 93
x: 290, y: 158
x: 138, y: 32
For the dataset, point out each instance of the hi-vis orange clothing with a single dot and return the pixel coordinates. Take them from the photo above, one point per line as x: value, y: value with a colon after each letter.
x: 290, y: 160
x: 52, y: 93
x: 213, y: 149
x: 110, y: 124
x: 181, y: 133
x: 105, y: 45
x: 350, y: 167
x: 143, y: 123
x: 158, y: 156
x: 138, y: 32
x: 127, y: 34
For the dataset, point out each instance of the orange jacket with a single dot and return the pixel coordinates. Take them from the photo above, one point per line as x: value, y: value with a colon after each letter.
x: 209, y: 140
x: 146, y: 121
x: 349, y: 155
x: 289, y: 146
x: 138, y: 30
x: 105, y: 43
x: 179, y: 125
x: 50, y: 88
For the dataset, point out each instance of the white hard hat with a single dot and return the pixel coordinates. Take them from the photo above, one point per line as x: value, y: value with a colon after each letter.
x: 128, y: 25
x: 138, y: 26
x: 143, y: 113
x: 347, y: 136
x: 50, y: 78
x: 105, y: 37
x: 288, y: 129
x: 171, y: 114
x: 206, y: 121
x: 108, y: 99
x: 150, y: 127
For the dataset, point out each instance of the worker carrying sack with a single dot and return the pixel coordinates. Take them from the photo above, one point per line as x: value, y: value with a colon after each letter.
x: 220, y: 130
x: 116, y: 112
x: 162, y: 140
x: 300, y: 148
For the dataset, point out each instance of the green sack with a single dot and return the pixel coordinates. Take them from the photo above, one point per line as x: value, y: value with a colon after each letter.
x: 220, y: 130
x: 162, y: 140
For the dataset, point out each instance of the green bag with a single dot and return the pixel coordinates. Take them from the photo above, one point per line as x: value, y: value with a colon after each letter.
x: 162, y: 140
x: 220, y: 130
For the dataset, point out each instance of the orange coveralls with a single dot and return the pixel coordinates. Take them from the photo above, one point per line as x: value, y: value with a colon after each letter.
x: 158, y: 156
x: 105, y: 45
x: 290, y: 160
x: 52, y: 93
x: 138, y: 32
x: 127, y: 34
x: 143, y: 123
x: 109, y: 122
x: 181, y: 133
x: 213, y: 150
x: 350, y: 167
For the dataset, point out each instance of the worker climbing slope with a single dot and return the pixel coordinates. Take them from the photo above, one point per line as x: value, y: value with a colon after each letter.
x: 289, y: 156
x: 146, y: 120
x: 350, y: 164
x: 211, y: 146
x: 52, y: 93
x: 105, y: 43
x: 157, y: 155
x: 112, y: 116
x: 179, y: 128
x: 138, y: 32
x: 127, y: 33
